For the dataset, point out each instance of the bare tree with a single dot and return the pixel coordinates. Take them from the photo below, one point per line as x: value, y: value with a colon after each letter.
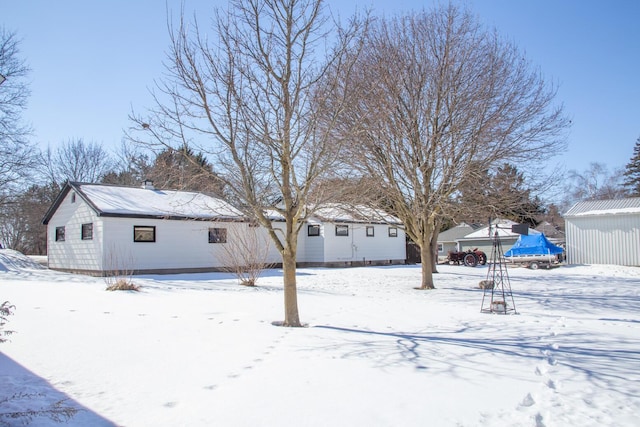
x: 76, y: 160
x: 250, y: 95
x: 594, y: 183
x: 16, y: 152
x: 438, y: 95
x: 21, y: 225
x: 245, y: 254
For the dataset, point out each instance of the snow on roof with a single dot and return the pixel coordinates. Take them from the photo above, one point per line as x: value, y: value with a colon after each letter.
x: 501, y: 226
x: 605, y: 207
x: 153, y: 202
x: 335, y: 212
x: 342, y: 213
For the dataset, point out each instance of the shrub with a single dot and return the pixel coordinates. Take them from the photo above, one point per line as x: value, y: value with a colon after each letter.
x: 5, y: 311
x: 123, y: 285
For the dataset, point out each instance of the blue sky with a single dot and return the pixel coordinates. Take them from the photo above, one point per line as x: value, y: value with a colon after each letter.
x: 93, y: 61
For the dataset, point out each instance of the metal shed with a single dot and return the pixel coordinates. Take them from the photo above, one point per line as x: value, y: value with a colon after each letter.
x: 604, y: 232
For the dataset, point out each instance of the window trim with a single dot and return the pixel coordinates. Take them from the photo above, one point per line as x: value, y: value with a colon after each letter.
x: 393, y: 231
x: 146, y: 229
x: 60, y: 234
x: 86, y: 232
x: 340, y: 233
x: 217, y: 235
x: 370, y: 231
x: 315, y: 227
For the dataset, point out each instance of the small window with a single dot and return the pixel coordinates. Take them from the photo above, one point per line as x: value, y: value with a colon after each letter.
x: 393, y: 232
x: 440, y: 247
x: 87, y: 231
x: 313, y: 230
x: 370, y: 230
x: 73, y: 197
x: 217, y: 235
x: 144, y: 233
x: 342, y: 230
x: 59, y: 234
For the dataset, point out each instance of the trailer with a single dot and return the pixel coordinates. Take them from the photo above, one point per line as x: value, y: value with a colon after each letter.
x: 535, y: 251
x: 535, y: 262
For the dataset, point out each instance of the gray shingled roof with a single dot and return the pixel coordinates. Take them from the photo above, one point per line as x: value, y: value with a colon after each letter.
x: 457, y: 232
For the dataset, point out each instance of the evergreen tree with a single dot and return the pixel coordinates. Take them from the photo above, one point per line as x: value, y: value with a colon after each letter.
x: 632, y: 172
x: 499, y: 193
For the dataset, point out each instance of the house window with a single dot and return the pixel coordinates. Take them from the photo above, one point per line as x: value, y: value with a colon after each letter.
x: 60, y: 234
x: 370, y: 230
x: 217, y: 235
x: 73, y: 197
x: 144, y: 233
x: 313, y: 230
x: 342, y: 230
x: 87, y: 231
x: 440, y: 247
x: 393, y: 232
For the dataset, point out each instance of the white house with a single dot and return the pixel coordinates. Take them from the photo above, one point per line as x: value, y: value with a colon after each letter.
x: 338, y: 235
x: 95, y: 228
x: 604, y: 232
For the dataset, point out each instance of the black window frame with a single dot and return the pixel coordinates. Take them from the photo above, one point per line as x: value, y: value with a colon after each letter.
x: 217, y: 235
x: 370, y: 231
x: 340, y: 233
x: 60, y: 234
x: 393, y: 231
x: 315, y: 227
x: 87, y: 231
x: 144, y: 228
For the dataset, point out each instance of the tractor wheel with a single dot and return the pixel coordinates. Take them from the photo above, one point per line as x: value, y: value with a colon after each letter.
x: 470, y: 260
x: 482, y: 258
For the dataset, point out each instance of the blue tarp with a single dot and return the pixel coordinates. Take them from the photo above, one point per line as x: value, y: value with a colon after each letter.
x: 533, y: 244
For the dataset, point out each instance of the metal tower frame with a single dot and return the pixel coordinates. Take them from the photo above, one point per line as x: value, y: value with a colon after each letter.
x: 497, y: 297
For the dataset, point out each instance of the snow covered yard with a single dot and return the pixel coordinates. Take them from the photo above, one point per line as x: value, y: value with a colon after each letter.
x: 201, y: 350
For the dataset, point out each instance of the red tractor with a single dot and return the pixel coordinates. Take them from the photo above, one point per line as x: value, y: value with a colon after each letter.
x: 470, y: 258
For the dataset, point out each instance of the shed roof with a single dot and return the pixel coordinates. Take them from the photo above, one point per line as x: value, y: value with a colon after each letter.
x: 137, y: 202
x: 605, y: 207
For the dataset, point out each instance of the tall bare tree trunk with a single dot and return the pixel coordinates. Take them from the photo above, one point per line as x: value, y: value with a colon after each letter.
x: 426, y: 256
x: 291, y: 317
x: 433, y: 245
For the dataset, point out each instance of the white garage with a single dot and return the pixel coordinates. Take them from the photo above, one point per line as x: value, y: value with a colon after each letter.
x: 604, y: 232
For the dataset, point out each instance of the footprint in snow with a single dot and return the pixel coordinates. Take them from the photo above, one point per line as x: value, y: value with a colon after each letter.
x: 528, y: 401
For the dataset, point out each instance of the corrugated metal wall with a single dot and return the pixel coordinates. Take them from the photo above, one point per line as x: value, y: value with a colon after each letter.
x: 603, y: 239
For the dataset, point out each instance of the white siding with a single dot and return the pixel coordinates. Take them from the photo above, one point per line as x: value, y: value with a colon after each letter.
x: 74, y: 253
x: 359, y: 247
x: 180, y: 244
x: 311, y: 248
x: 603, y: 239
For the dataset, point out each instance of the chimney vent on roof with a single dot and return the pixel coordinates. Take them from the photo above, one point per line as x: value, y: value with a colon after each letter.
x: 147, y: 184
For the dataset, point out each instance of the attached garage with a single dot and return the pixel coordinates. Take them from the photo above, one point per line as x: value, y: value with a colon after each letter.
x: 604, y: 232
